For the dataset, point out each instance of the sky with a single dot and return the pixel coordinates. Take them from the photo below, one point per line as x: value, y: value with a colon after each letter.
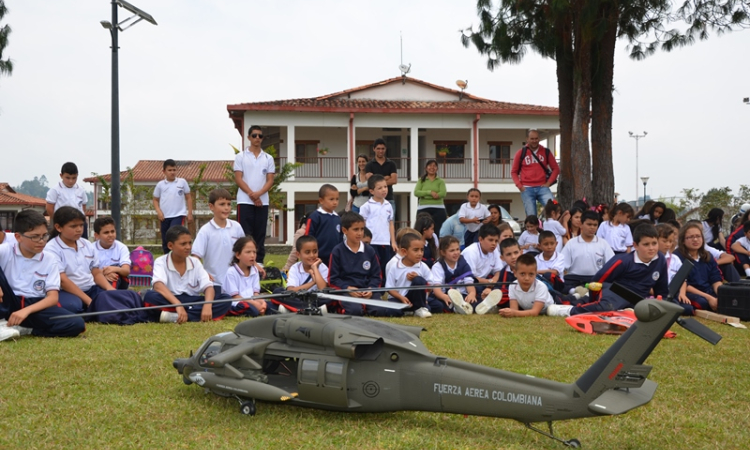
x: 177, y: 78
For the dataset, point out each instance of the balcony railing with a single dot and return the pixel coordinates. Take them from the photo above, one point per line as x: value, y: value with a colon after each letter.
x: 451, y: 168
x: 494, y: 169
x: 320, y: 167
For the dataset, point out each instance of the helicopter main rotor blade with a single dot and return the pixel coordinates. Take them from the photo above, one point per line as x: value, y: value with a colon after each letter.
x: 414, y: 287
x: 147, y: 308
x: 364, y: 301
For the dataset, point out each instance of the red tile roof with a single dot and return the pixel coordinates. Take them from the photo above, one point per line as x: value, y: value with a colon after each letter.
x: 334, y: 103
x: 8, y: 196
x: 151, y: 171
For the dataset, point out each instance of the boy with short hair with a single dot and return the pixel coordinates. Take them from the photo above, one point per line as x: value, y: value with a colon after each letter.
x: 640, y: 271
x: 310, y: 273
x: 67, y: 193
x: 378, y: 215
x: 214, y: 241
x: 528, y: 295
x: 550, y: 264
x: 485, y: 267
x: 742, y: 247
x: 585, y: 254
x: 409, y: 271
x: 180, y: 278
x: 510, y: 251
x: 367, y: 239
x: 30, y: 283
x: 114, y: 257
x: 324, y: 224
x: 354, y: 265
x: 172, y: 201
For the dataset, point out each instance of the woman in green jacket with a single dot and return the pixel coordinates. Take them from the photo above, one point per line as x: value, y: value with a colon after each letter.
x: 430, y: 191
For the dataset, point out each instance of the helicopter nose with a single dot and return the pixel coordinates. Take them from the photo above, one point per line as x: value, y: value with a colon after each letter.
x: 179, y: 364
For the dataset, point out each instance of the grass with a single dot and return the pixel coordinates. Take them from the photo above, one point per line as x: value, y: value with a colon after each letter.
x: 116, y: 388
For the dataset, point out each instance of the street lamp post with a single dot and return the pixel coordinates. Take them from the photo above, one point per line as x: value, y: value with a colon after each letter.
x: 113, y: 28
x: 645, y: 180
x: 637, y: 137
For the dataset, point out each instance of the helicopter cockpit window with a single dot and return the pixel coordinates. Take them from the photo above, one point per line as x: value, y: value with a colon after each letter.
x: 309, y: 372
x: 334, y: 374
x: 212, y: 350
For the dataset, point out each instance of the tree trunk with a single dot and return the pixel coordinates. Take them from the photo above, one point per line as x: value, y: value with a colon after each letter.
x: 564, y: 58
x: 602, y: 67
x: 579, y: 151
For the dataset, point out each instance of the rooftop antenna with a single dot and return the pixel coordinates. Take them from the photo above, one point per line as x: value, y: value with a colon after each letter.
x: 403, y: 67
x: 462, y: 85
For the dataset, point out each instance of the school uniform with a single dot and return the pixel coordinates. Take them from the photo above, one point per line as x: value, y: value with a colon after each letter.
x: 556, y: 229
x: 359, y: 268
x: 297, y: 276
x: 528, y: 238
x: 213, y: 244
x: 236, y: 283
x: 471, y: 235
x: 556, y: 262
x: 739, y: 259
x: 171, y: 195
x: 187, y: 287
x: 442, y: 273
x: 503, y: 283
x: 538, y: 292
x: 583, y: 260
x: 77, y: 264
x: 397, y: 277
x: 427, y: 257
x: 674, y: 264
x: 61, y: 195
x: 482, y: 264
x: 10, y: 238
x: 629, y: 271
x: 116, y: 255
x: 619, y: 237
x: 253, y: 218
x: 26, y: 281
x: 702, y: 277
x: 728, y: 272
x: 326, y: 228
x: 378, y: 217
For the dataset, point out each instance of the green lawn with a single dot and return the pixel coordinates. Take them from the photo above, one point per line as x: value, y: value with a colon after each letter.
x: 116, y: 388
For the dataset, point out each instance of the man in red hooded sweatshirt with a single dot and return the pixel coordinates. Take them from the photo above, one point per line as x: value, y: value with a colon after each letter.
x: 534, y: 171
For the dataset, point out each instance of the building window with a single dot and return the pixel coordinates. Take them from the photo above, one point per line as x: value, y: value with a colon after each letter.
x: 451, y: 151
x: 364, y: 148
x: 6, y: 220
x: 500, y: 152
x: 306, y: 151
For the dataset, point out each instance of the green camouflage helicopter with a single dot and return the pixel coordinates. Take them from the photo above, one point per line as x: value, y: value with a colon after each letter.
x: 356, y: 364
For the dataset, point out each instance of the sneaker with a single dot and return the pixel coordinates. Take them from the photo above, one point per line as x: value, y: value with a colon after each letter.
x: 283, y: 310
x: 323, y: 309
x: 559, y: 310
x: 581, y: 292
x: 491, y: 300
x: 23, y: 331
x: 423, y: 313
x: 460, y: 305
x: 168, y: 317
x: 8, y: 333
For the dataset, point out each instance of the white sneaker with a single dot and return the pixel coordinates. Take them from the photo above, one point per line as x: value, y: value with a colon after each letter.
x: 323, y: 309
x: 168, y: 317
x: 23, y: 331
x: 559, y: 310
x: 491, y: 300
x: 8, y: 333
x: 283, y: 310
x: 460, y: 305
x: 423, y: 313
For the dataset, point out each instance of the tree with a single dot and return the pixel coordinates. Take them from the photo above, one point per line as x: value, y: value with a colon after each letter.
x: 36, y: 187
x: 6, y: 65
x: 581, y: 36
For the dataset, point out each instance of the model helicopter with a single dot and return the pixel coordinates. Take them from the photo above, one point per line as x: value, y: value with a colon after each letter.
x: 355, y: 364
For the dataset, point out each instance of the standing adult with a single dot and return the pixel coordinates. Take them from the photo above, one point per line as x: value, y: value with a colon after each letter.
x: 534, y: 171
x: 359, y: 191
x: 254, y: 170
x: 381, y: 165
x: 430, y: 190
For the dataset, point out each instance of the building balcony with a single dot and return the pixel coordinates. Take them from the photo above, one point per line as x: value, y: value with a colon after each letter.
x: 495, y: 169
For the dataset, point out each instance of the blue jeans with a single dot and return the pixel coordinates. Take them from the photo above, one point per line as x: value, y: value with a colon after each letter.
x: 533, y: 194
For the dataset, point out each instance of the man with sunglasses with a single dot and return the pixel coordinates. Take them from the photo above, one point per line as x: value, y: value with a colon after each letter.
x: 254, y: 170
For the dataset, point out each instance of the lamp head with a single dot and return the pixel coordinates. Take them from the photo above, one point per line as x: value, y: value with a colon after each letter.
x: 106, y: 24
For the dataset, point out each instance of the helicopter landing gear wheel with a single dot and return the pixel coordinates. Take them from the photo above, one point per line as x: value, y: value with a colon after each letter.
x: 247, y: 408
x: 573, y: 443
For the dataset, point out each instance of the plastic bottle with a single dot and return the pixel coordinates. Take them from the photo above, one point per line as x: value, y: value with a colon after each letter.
x: 594, y: 287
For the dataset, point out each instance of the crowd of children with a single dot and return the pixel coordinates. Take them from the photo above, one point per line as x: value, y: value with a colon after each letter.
x: 545, y: 271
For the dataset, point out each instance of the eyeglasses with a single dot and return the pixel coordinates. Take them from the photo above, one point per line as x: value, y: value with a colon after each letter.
x: 255, y: 135
x: 43, y: 237
x: 697, y: 236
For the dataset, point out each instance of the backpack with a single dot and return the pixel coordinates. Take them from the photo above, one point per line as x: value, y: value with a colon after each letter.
x: 142, y: 267
x: 546, y: 168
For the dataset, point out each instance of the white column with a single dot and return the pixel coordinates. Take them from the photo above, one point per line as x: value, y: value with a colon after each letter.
x: 414, y: 155
x: 291, y: 225
x: 290, y: 151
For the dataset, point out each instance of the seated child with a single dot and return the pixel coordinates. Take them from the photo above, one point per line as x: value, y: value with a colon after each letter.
x: 180, y: 278
x: 308, y: 274
x: 528, y: 295
x: 616, y: 231
x: 425, y: 226
x: 324, y: 224
x: 552, y: 213
x: 509, y: 253
x: 529, y: 239
x: 399, y: 235
x: 452, y: 268
x: 354, y: 264
x: 409, y: 271
x: 29, y: 284
x: 585, y: 254
x: 242, y: 280
x: 483, y: 259
x: 742, y: 247
x: 367, y: 239
x: 215, y: 240
x: 640, y: 271
x: 550, y: 264
x: 114, y: 257
x: 667, y: 238
x: 704, y: 278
